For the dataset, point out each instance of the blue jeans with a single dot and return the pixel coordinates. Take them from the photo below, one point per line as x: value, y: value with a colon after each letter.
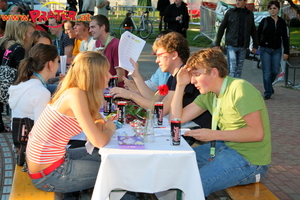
x: 227, y: 169
x: 78, y: 172
x: 235, y: 59
x: 270, y: 61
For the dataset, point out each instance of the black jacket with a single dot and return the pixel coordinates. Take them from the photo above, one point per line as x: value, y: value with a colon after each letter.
x: 273, y: 36
x: 231, y: 23
x: 172, y: 11
x: 162, y: 5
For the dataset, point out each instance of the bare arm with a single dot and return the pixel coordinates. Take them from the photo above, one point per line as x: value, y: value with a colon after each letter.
x: 191, y: 111
x: 75, y: 103
x: 253, y: 132
x: 68, y: 53
x: 144, y: 90
x: 140, y: 100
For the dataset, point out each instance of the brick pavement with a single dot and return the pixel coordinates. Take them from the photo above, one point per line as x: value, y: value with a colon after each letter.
x: 283, y: 177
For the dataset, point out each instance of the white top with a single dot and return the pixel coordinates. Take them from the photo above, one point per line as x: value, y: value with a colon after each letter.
x: 28, y: 99
x: 89, y: 45
x: 156, y: 168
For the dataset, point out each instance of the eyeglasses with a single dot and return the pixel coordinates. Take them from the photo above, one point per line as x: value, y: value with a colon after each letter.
x: 160, y: 55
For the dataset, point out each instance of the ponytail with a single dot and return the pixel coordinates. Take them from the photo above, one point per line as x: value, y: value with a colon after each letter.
x: 39, y: 55
x: 26, y: 69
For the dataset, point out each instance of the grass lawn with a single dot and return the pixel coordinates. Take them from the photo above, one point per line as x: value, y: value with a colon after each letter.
x: 295, y: 37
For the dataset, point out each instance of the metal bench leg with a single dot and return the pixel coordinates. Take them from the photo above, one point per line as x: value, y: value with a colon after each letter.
x: 178, y: 194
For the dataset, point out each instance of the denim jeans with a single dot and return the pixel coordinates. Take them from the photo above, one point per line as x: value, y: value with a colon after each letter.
x: 78, y: 172
x: 270, y: 61
x: 227, y: 169
x: 235, y: 59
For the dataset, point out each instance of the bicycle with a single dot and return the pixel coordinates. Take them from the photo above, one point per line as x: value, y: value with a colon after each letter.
x: 145, y: 28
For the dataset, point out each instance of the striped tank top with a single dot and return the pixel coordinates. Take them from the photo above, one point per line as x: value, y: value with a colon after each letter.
x: 50, y: 135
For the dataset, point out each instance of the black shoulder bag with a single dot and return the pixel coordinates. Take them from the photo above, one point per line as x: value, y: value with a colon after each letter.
x: 21, y: 127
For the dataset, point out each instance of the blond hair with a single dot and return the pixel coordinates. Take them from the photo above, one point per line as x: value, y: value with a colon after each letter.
x: 87, y: 73
x: 21, y: 31
x: 207, y: 59
x: 10, y: 32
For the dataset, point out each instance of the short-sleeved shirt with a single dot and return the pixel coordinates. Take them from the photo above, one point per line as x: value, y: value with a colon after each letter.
x: 241, y: 98
x: 190, y: 94
x: 103, y: 10
x: 112, y: 54
x: 63, y: 42
x: 76, y: 51
x: 90, y: 45
x: 157, y: 79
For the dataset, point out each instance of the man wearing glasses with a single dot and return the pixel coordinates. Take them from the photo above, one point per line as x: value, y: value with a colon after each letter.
x: 239, y: 25
x: 172, y: 52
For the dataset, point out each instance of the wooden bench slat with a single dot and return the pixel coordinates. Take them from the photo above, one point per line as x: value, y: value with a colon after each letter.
x: 250, y: 192
x: 23, y: 188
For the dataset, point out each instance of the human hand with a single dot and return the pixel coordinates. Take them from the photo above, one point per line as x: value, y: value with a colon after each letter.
x: 110, y: 125
x: 178, y: 18
x: 130, y: 85
x: 202, y: 134
x: 254, y: 50
x: 285, y: 56
x: 183, y: 76
x: 120, y: 92
x: 61, y: 76
x: 135, y: 66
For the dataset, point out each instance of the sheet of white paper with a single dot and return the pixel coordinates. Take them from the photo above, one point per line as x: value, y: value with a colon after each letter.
x: 130, y: 46
x: 63, y: 64
x: 89, y: 147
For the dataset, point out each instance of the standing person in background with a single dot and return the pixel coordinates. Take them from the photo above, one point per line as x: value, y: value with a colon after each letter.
x: 272, y: 35
x: 108, y: 45
x: 177, y: 17
x: 102, y: 6
x: 88, y: 6
x: 161, y: 7
x: 62, y: 41
x: 239, y: 25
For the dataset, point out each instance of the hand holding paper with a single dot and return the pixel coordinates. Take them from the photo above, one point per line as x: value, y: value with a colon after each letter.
x: 130, y: 46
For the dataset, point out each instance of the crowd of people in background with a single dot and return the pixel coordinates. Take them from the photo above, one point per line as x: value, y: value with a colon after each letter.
x: 201, y: 87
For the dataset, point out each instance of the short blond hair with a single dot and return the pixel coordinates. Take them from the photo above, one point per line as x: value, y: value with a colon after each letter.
x: 207, y: 59
x: 87, y: 73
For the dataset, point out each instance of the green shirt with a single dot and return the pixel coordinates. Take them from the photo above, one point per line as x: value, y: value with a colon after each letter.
x: 241, y: 98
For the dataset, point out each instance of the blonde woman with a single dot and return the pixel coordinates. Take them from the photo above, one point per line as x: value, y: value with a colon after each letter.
x: 16, y: 52
x: 74, y: 108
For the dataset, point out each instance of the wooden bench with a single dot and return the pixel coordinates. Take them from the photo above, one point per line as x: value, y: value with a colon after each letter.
x: 23, y: 188
x: 250, y: 192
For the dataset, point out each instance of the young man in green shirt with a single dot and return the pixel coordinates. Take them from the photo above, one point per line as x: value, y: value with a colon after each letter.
x: 238, y: 151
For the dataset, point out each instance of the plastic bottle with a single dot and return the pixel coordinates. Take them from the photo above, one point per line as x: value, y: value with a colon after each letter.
x: 180, y: 21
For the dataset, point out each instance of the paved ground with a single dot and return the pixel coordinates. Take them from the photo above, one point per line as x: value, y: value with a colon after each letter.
x: 283, y: 178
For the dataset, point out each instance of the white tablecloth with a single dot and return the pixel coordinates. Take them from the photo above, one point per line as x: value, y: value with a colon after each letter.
x: 156, y: 168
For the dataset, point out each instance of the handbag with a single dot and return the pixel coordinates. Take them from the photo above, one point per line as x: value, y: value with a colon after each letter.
x: 21, y: 127
x: 7, y: 74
